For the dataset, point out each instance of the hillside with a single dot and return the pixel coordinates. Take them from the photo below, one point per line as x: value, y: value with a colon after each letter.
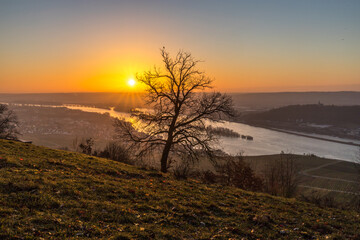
x: 63, y: 195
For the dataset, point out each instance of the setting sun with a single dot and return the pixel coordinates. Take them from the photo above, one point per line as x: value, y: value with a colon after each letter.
x: 243, y: 117
x: 131, y: 82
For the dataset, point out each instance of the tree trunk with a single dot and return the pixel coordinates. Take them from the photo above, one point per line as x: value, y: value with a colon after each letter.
x: 169, y: 142
x: 165, y: 155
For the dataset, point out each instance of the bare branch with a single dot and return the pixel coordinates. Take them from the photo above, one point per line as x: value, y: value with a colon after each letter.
x: 177, y: 122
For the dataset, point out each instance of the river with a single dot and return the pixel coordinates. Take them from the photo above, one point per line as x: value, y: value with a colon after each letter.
x: 271, y: 142
x: 265, y: 141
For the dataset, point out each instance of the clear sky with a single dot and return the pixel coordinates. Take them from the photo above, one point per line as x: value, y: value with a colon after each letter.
x: 247, y: 46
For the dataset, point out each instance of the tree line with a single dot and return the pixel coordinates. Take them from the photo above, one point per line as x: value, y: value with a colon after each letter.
x: 311, y: 113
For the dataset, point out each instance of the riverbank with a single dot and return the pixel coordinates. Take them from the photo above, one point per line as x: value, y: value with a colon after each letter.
x: 304, y: 134
x: 73, y: 121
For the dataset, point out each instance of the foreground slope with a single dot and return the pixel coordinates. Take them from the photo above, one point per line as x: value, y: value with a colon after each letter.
x: 63, y: 195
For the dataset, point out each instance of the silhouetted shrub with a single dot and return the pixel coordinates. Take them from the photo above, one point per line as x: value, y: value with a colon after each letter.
x: 208, y: 177
x: 115, y: 151
x: 235, y: 172
x: 86, y: 147
x: 182, y: 170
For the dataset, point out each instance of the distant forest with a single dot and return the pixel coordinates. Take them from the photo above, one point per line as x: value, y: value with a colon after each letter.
x: 313, y: 113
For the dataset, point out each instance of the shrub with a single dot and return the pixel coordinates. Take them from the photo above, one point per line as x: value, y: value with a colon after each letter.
x: 235, y: 172
x: 208, y: 177
x: 86, y: 147
x: 182, y: 170
x: 115, y: 151
x: 281, y: 176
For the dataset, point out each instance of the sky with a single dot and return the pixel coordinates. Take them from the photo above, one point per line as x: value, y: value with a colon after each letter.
x: 245, y: 46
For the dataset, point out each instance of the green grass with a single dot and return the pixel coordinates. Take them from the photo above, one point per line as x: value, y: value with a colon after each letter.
x: 55, y: 194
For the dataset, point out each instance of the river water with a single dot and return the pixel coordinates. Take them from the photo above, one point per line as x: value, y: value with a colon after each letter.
x: 271, y: 142
x: 265, y: 141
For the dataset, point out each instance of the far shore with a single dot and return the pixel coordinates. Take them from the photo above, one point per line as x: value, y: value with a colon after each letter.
x: 302, y: 134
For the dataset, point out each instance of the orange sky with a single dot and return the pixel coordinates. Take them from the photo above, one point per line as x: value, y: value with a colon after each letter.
x: 97, y: 47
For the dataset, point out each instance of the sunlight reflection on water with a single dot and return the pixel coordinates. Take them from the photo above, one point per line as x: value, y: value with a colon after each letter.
x: 265, y: 141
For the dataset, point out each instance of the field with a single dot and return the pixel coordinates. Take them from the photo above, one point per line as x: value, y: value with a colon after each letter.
x: 56, y: 194
x: 327, y: 177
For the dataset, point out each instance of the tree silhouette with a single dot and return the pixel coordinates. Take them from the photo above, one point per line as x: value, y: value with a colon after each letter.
x: 8, y: 123
x: 176, y: 122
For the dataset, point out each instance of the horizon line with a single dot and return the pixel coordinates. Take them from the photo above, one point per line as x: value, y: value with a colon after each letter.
x: 140, y: 92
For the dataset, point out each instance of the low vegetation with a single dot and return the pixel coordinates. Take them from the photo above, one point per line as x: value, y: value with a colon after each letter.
x: 233, y: 171
x: 224, y: 132
x: 281, y: 177
x: 56, y: 194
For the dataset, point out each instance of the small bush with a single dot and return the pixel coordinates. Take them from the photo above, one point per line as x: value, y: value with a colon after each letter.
x: 86, y: 147
x: 115, y: 151
x: 235, y: 172
x: 208, y: 177
x: 182, y: 170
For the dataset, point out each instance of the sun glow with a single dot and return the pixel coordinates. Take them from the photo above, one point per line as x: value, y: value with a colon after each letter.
x: 131, y: 82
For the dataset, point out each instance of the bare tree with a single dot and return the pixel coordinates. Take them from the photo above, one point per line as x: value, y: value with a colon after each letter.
x: 177, y: 122
x: 8, y: 123
x: 281, y: 176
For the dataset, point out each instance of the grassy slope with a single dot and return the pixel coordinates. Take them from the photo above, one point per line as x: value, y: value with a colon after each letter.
x: 58, y: 194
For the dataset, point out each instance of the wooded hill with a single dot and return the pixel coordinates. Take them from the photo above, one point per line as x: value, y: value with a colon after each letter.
x: 312, y: 113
